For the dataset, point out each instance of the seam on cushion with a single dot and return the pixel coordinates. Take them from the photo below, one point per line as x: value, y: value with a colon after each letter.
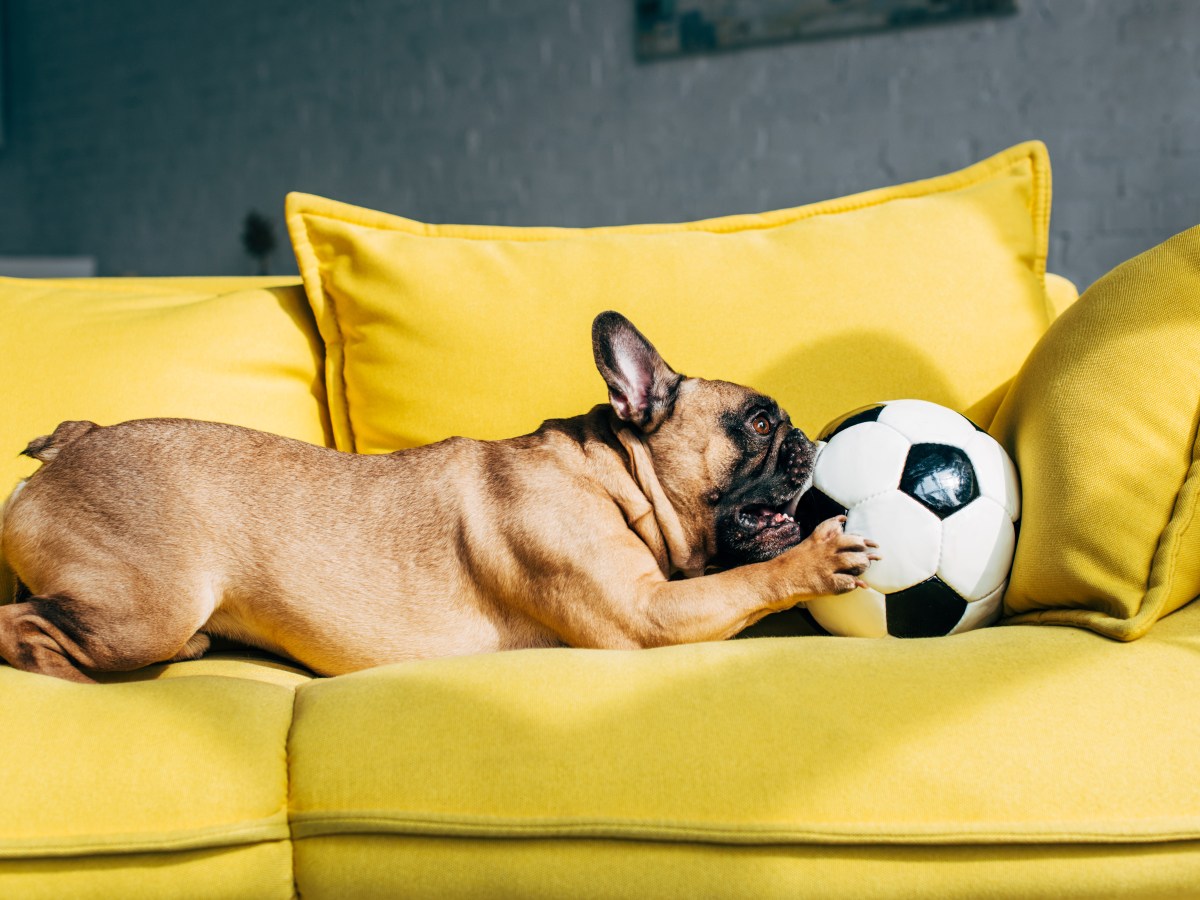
x: 274, y: 827
x: 186, y: 296
x: 1164, y: 563
x: 1042, y: 200
x: 88, y: 284
x: 318, y: 825
x: 153, y: 283
x: 287, y: 794
x: 335, y: 367
x: 326, y: 317
x: 1102, y: 624
x: 1032, y: 151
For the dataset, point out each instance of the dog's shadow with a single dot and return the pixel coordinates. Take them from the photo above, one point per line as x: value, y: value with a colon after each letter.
x: 819, y: 381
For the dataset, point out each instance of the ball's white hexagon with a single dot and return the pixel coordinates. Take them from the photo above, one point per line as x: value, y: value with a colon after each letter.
x: 923, y: 422
x: 909, y: 538
x: 977, y: 549
x: 995, y: 473
x: 859, y: 613
x: 981, y: 613
x: 864, y: 460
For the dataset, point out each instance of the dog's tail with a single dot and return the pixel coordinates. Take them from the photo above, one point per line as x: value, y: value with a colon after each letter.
x: 44, y: 449
x: 48, y: 446
x: 11, y: 588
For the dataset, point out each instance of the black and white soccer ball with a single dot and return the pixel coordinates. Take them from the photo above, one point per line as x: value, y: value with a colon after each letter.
x: 942, y: 500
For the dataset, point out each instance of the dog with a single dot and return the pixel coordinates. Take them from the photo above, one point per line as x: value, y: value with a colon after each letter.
x: 662, y: 517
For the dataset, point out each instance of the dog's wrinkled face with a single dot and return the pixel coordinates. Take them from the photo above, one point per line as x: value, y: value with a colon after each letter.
x: 727, y: 457
x: 733, y: 464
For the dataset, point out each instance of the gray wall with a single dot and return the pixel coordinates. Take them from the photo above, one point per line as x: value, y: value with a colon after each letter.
x: 142, y: 132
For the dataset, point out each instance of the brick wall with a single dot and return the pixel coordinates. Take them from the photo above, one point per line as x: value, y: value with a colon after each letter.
x: 143, y: 132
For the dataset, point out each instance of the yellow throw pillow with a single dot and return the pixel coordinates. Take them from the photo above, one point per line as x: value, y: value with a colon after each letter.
x: 1103, y: 423
x: 931, y: 289
x: 241, y: 351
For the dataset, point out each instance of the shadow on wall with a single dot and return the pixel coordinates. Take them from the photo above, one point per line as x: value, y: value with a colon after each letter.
x: 820, y: 381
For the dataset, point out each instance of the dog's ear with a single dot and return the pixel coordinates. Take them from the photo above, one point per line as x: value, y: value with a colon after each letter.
x: 641, y: 386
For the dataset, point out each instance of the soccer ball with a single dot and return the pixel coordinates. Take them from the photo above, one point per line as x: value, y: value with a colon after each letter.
x: 942, y: 500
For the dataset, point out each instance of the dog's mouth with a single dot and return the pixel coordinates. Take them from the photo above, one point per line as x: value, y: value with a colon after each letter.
x: 775, y: 518
x: 760, y: 522
x: 765, y: 525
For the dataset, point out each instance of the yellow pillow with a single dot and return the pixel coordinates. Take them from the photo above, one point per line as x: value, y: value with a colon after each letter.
x: 240, y: 351
x: 932, y: 289
x: 1103, y: 423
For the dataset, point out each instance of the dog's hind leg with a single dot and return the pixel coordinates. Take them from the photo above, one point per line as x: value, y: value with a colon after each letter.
x: 195, y: 648
x: 63, y: 636
x: 41, y: 635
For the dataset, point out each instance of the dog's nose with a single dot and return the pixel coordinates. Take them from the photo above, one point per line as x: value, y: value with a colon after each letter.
x: 797, y: 457
x: 796, y: 441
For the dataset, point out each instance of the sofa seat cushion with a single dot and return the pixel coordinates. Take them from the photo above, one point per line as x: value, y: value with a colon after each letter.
x: 118, y: 780
x: 822, y: 748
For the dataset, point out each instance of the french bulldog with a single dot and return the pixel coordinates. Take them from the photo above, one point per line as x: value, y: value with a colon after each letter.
x: 662, y: 517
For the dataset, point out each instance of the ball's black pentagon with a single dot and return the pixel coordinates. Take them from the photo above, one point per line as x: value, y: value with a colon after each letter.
x: 929, y: 609
x: 939, y: 476
x: 850, y: 419
x: 814, y: 508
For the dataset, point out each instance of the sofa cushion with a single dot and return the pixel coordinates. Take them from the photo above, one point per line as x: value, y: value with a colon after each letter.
x: 1104, y: 423
x: 851, y: 760
x: 123, y: 782
x: 932, y: 289
x: 243, y: 351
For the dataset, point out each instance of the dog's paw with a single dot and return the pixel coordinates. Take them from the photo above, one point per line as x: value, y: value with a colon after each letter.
x: 841, y: 557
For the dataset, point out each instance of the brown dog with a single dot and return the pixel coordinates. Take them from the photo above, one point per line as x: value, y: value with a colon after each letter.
x: 136, y: 542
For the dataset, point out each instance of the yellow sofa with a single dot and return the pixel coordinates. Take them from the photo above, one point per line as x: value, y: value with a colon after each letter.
x: 1019, y: 761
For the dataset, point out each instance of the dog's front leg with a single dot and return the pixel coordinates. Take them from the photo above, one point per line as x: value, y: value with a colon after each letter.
x: 653, y: 611
x: 718, y: 606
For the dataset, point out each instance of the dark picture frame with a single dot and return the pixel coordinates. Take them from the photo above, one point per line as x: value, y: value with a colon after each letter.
x: 669, y: 28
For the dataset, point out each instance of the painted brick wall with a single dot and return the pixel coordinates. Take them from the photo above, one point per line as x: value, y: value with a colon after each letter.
x: 142, y: 132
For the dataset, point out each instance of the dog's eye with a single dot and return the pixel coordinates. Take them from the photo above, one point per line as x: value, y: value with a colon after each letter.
x: 761, y: 424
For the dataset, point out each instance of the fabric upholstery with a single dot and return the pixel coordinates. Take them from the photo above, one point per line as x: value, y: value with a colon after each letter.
x: 1104, y: 424
x: 825, y: 755
x: 121, y: 779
